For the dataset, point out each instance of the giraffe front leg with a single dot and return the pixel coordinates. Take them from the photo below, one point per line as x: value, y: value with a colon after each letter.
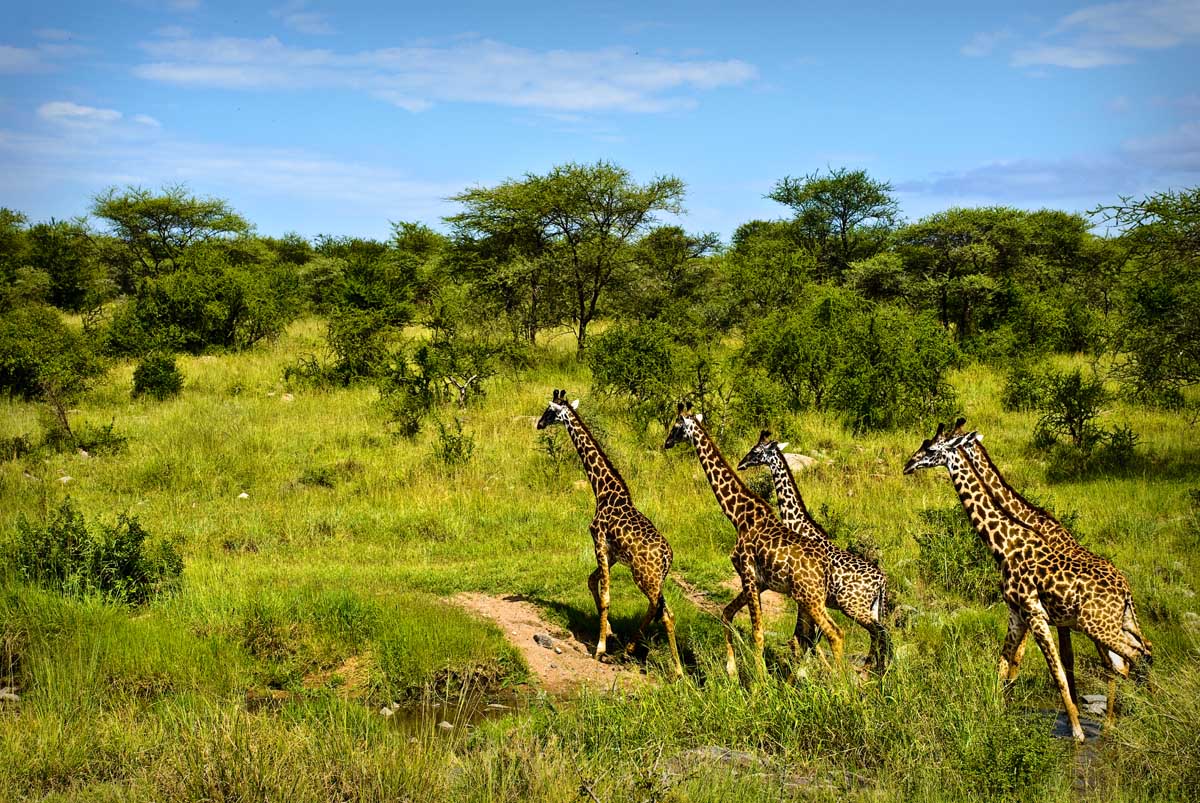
x: 1039, y: 623
x: 727, y: 615
x: 1067, y: 653
x: 1013, y: 649
x: 600, y: 593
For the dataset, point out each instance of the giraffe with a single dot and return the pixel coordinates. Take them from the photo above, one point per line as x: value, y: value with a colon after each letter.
x: 620, y: 532
x: 857, y: 587
x: 1041, y: 585
x: 1059, y: 538
x: 767, y: 555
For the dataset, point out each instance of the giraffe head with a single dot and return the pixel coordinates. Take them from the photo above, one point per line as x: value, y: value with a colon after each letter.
x: 936, y: 451
x: 685, y: 426
x: 764, y: 453
x: 557, y: 412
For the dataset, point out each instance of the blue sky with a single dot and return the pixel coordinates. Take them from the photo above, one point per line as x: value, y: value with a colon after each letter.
x: 322, y: 117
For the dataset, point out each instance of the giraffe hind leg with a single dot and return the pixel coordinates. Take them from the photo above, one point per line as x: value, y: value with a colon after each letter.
x: 1040, y: 625
x: 727, y: 614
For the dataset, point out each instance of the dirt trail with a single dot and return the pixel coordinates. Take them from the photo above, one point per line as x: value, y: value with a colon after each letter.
x: 560, y: 663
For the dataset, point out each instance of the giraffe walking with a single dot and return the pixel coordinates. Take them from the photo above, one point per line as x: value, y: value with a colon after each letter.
x: 767, y: 555
x: 1058, y: 538
x: 857, y: 587
x: 1042, y: 586
x: 620, y: 532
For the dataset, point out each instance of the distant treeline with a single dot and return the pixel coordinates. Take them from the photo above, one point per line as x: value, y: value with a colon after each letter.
x: 839, y: 304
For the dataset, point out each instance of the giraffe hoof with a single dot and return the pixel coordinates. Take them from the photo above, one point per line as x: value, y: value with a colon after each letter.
x: 731, y: 669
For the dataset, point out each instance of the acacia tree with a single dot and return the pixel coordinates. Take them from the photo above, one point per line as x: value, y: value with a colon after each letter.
x: 846, y: 214
x: 577, y: 221
x: 1160, y: 333
x: 157, y: 228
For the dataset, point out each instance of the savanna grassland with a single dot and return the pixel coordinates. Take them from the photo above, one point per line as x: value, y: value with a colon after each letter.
x: 321, y: 595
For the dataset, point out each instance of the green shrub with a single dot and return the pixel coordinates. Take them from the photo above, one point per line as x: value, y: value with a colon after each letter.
x: 1009, y: 759
x: 114, y: 562
x: 954, y: 557
x: 157, y: 376
x: 1070, y: 406
x: 639, y: 363
x: 1024, y: 387
x: 40, y: 356
x: 453, y: 447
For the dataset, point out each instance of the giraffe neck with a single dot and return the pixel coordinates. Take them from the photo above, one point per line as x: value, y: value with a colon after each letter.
x: 792, y: 510
x: 986, y: 517
x: 739, y: 504
x: 606, y: 483
x: 1004, y: 495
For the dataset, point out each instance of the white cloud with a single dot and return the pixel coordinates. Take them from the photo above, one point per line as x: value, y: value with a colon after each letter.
x: 19, y: 59
x: 72, y: 114
x: 471, y: 71
x: 295, y: 15
x: 146, y: 120
x: 1100, y: 35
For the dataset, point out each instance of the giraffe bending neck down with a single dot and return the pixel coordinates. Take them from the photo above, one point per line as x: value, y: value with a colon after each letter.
x: 1042, y: 586
x: 620, y: 532
x: 857, y: 587
x: 1061, y: 541
x: 766, y: 555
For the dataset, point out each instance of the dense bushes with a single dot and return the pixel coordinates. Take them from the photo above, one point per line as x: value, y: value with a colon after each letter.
x: 40, y: 354
x: 157, y: 376
x: 115, y: 562
x: 876, y: 365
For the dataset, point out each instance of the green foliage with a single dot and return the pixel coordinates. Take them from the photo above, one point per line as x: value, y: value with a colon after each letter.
x: 767, y: 267
x: 157, y: 376
x: 206, y: 303
x: 64, y: 251
x: 1010, y: 760
x: 1025, y: 386
x: 114, y: 562
x: 954, y: 558
x: 878, y: 366
x: 1070, y: 405
x: 845, y: 215
x: 157, y: 229
x: 41, y: 357
x: 453, y: 447
x: 638, y: 363
x: 577, y: 221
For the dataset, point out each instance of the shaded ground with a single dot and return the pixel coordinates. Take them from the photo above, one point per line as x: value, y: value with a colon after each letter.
x: 560, y: 662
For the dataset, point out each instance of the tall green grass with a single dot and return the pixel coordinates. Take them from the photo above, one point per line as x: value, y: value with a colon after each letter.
x: 323, y: 595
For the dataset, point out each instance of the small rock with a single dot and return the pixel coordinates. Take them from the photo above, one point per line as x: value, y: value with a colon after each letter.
x: 270, y: 393
x: 64, y: 479
x: 557, y: 650
x: 799, y: 462
x: 243, y: 495
x: 413, y: 740
x: 287, y: 397
x: 7, y: 695
x: 386, y: 711
x: 445, y: 726
x: 553, y: 666
x: 498, y: 707
x: 83, y: 453
x: 542, y: 640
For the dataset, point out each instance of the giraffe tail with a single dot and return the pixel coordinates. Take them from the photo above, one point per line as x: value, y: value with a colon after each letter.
x: 883, y: 635
x: 1140, y: 666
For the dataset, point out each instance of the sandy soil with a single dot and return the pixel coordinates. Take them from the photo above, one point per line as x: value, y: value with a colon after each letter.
x: 563, y: 666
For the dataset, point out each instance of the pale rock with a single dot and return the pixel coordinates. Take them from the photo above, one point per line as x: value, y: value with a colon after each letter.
x: 64, y: 479
x: 287, y: 397
x: 243, y: 495
x: 386, y: 712
x: 445, y: 726
x: 799, y: 462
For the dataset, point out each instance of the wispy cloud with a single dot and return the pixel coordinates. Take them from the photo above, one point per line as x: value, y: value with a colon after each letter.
x: 20, y: 59
x: 72, y: 114
x: 470, y: 71
x: 295, y: 15
x: 1171, y: 158
x: 1101, y: 35
x: 983, y: 44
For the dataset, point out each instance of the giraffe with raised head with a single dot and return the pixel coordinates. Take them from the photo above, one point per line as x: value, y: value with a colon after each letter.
x: 620, y: 532
x: 857, y: 587
x: 766, y: 555
x: 1059, y: 538
x: 1042, y: 585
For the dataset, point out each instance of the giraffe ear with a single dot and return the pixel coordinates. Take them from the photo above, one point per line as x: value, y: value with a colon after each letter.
x: 689, y: 407
x: 782, y: 446
x: 679, y: 408
x: 978, y: 435
x: 575, y: 404
x: 764, y: 435
x: 700, y: 417
x: 941, y: 428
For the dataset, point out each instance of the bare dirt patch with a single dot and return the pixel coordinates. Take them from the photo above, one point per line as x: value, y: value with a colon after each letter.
x: 560, y: 662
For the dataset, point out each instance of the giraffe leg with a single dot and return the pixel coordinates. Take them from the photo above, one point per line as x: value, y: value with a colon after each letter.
x: 804, y: 636
x: 727, y: 615
x: 816, y: 610
x: 654, y: 594
x: 1040, y: 625
x: 1013, y: 649
x: 869, y: 620
x: 602, y: 598
x: 756, y: 623
x: 1067, y: 652
x: 668, y: 620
